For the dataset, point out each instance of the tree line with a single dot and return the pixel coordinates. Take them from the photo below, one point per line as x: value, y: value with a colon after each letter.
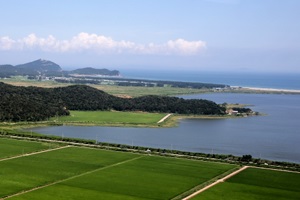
x: 141, y: 82
x: 35, y: 104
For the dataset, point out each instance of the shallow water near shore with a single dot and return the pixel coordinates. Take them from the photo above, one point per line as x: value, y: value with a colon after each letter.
x: 275, y: 136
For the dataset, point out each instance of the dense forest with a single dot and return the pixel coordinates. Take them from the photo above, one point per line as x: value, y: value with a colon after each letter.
x: 35, y: 104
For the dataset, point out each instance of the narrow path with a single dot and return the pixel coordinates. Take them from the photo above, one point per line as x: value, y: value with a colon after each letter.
x: 33, y: 153
x: 72, y: 177
x: 280, y: 170
x: 164, y: 118
x: 215, y: 183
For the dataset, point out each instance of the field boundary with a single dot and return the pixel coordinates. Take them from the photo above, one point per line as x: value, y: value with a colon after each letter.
x: 72, y: 177
x: 215, y: 183
x: 33, y: 153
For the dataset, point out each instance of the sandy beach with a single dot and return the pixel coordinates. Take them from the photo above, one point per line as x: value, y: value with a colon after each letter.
x: 271, y: 90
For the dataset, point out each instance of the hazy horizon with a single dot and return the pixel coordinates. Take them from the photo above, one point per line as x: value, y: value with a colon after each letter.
x: 204, y: 35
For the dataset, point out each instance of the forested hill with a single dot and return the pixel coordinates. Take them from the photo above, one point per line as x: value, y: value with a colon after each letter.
x: 92, y: 71
x: 35, y: 104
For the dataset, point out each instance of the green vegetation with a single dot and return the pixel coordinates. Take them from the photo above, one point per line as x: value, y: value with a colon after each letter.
x: 12, y: 147
x: 110, y: 89
x: 37, y: 104
x: 126, y: 82
x: 253, y: 184
x: 110, y: 118
x: 90, y: 174
x: 31, y: 171
x: 46, y: 68
x: 77, y: 172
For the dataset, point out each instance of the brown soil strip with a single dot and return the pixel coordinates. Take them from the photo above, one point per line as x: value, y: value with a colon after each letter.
x: 215, y: 183
x: 33, y: 153
x: 164, y: 118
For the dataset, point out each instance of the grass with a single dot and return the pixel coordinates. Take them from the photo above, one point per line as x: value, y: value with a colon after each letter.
x: 12, y: 147
x: 149, y: 177
x: 31, y: 171
x: 142, y: 91
x: 253, y: 184
x: 92, y: 173
x: 111, y: 117
x: 84, y: 173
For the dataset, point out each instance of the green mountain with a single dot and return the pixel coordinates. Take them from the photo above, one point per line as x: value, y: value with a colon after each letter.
x: 41, y: 66
x: 35, y: 68
x: 49, y: 68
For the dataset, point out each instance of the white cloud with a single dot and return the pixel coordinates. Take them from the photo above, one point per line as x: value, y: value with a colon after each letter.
x: 6, y: 43
x: 101, y: 44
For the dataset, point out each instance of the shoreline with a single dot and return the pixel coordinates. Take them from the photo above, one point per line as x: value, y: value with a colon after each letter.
x: 272, y: 89
x: 260, y: 90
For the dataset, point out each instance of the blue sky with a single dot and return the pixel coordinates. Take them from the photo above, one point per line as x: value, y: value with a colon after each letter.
x: 202, y: 35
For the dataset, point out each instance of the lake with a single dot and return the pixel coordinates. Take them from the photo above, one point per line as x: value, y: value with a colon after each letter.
x: 275, y: 136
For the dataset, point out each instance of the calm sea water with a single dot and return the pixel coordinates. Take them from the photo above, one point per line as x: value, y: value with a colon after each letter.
x: 275, y: 136
x: 265, y: 80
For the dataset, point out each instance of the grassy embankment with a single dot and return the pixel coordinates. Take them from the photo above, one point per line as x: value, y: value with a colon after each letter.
x: 252, y: 184
x: 83, y: 173
x: 110, y: 118
x: 132, y: 119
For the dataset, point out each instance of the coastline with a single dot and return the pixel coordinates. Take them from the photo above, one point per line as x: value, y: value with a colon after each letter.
x: 273, y: 89
x: 260, y: 90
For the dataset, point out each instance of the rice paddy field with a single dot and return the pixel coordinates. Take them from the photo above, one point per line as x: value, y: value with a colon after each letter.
x: 12, y: 147
x: 85, y: 173
x: 52, y: 171
x: 253, y: 184
x: 111, y: 117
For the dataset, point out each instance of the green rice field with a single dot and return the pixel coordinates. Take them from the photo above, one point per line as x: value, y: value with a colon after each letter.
x: 111, y: 117
x: 253, y: 184
x: 69, y: 172
x: 84, y: 173
x: 13, y: 147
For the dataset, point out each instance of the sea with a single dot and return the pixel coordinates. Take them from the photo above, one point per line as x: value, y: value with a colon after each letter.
x: 243, y: 79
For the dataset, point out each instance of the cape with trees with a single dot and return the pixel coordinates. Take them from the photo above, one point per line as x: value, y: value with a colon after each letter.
x: 19, y: 103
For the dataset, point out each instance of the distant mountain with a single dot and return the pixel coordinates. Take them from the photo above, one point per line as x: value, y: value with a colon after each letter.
x: 7, y: 70
x: 40, y: 66
x: 49, y: 68
x: 92, y: 71
x: 37, y: 67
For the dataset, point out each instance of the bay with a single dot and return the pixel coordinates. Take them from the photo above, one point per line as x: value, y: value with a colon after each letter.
x: 275, y: 136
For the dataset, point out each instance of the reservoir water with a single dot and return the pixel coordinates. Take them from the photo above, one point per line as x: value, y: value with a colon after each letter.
x: 275, y: 136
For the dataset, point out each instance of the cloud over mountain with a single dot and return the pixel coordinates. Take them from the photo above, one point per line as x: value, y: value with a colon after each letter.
x: 100, y: 44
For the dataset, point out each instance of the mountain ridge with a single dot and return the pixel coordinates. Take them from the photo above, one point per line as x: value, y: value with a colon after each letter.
x: 49, y: 68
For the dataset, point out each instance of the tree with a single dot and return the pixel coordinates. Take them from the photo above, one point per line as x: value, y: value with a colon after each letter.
x: 246, y: 158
